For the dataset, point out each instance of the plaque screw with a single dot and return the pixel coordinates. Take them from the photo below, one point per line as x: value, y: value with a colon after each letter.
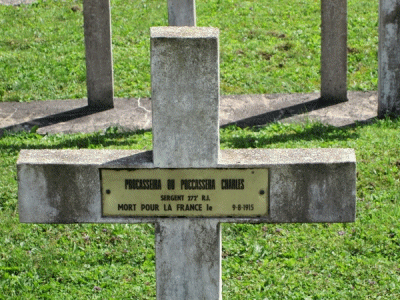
x: 108, y: 192
x: 262, y: 192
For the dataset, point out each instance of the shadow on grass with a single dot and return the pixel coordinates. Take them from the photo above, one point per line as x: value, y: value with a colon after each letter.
x: 277, y: 133
x: 112, y: 136
x: 256, y: 137
x: 232, y: 136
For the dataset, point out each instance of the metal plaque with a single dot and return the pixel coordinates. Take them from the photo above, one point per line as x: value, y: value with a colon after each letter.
x: 184, y: 192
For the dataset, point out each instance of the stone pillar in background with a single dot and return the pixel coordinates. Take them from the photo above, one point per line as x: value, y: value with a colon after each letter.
x: 333, y: 51
x: 99, y: 66
x: 185, y: 98
x: 389, y: 58
x: 182, y: 12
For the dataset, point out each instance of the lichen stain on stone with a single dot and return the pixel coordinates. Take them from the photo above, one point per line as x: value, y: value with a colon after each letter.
x: 293, y: 209
x: 308, y: 196
x: 393, y: 16
x: 65, y: 193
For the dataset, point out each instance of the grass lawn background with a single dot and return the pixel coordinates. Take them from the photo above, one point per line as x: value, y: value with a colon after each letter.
x: 266, y: 47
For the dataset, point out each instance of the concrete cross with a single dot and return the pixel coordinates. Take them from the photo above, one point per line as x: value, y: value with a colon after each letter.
x: 186, y: 186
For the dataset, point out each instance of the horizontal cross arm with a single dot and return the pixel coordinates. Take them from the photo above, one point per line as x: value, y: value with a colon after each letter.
x: 305, y: 185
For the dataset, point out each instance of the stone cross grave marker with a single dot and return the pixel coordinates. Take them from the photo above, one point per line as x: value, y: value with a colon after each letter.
x: 186, y: 186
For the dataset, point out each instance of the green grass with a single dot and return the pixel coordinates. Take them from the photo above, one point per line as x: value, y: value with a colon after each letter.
x: 358, y: 260
x: 266, y: 46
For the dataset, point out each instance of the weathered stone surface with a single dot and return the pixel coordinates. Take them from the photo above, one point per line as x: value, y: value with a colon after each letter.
x: 334, y: 51
x: 389, y: 58
x: 188, y: 262
x: 185, y: 96
x: 185, y: 99
x: 306, y: 185
x: 181, y: 12
x: 99, y: 66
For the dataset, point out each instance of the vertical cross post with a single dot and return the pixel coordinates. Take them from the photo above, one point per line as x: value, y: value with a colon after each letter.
x: 99, y: 66
x: 389, y: 58
x: 333, y: 51
x: 185, y: 97
x: 182, y: 12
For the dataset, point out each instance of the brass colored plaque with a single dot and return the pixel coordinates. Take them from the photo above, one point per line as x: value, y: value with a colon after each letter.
x: 184, y: 192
